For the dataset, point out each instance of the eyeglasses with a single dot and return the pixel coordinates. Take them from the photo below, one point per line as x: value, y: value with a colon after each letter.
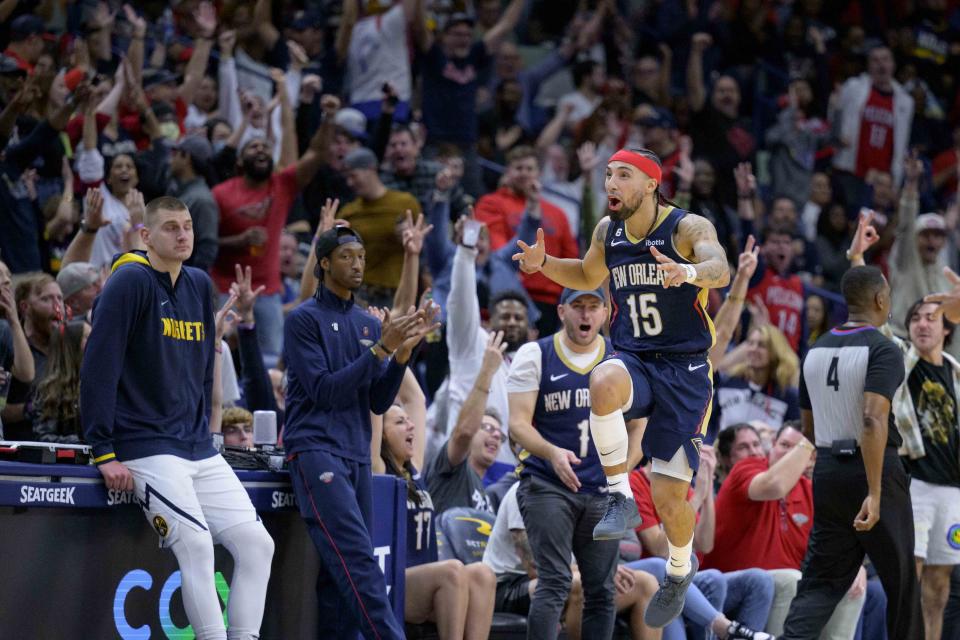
x: 493, y: 429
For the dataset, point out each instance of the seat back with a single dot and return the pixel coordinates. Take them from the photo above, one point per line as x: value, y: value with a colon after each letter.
x: 467, y: 532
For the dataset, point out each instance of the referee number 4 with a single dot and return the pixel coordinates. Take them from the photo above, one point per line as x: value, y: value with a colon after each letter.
x: 833, y: 380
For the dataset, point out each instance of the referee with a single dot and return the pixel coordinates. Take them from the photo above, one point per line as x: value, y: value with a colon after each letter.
x: 861, y: 491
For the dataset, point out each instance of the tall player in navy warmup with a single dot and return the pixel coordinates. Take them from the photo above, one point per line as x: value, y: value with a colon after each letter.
x: 661, y: 260
x: 341, y: 366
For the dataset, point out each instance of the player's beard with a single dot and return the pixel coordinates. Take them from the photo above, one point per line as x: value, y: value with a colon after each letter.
x: 625, y: 210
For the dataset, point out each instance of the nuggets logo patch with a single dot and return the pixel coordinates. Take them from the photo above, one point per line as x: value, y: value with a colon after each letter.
x: 697, y: 442
x: 953, y: 537
x: 161, y: 526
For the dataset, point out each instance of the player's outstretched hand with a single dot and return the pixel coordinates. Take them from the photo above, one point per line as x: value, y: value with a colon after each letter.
x: 674, y: 273
x: 116, y: 476
x: 868, y: 515
x: 531, y: 258
x: 562, y: 461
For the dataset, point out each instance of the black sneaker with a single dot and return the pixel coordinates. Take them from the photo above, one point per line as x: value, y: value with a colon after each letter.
x: 667, y: 602
x: 621, y: 515
x: 737, y: 631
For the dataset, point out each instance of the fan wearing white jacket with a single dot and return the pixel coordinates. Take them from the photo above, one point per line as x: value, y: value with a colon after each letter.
x: 872, y: 128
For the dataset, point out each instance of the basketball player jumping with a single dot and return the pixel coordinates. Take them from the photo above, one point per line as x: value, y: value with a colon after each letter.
x: 661, y: 261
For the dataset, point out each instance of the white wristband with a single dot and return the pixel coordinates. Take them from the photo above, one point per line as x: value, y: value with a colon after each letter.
x: 691, y: 272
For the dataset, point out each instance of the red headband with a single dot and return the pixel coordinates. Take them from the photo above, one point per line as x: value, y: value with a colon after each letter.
x: 641, y: 162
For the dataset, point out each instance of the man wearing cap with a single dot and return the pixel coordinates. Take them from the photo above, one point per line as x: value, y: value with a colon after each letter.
x: 27, y: 33
x: 374, y: 48
x: 563, y: 490
x: 374, y: 214
x: 253, y: 212
x: 916, y: 266
x: 189, y: 162
x: 332, y: 346
x: 659, y: 129
x: 80, y: 284
x: 453, y: 67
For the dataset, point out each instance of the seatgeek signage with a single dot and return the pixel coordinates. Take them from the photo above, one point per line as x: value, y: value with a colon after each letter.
x: 84, y: 562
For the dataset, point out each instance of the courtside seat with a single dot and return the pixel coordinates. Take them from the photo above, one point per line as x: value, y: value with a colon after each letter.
x: 463, y: 534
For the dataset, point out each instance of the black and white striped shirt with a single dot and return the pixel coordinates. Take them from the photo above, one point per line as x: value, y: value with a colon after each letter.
x: 841, y: 366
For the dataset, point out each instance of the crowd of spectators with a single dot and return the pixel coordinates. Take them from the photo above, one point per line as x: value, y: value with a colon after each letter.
x: 809, y: 133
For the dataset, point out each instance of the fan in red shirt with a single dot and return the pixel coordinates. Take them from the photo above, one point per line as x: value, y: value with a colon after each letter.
x: 765, y: 505
x: 778, y: 289
x: 253, y: 211
x: 875, y: 147
x: 502, y: 212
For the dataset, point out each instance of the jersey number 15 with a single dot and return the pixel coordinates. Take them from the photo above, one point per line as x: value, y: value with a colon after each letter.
x: 644, y: 314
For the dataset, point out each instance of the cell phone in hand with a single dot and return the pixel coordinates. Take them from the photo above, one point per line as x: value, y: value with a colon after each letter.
x: 471, y: 232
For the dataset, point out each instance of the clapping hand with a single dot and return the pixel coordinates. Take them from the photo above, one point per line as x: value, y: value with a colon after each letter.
x: 427, y: 313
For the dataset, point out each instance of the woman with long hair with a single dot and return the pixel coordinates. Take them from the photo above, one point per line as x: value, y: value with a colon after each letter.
x: 817, y: 320
x: 55, y: 412
x: 762, y: 385
x: 458, y: 598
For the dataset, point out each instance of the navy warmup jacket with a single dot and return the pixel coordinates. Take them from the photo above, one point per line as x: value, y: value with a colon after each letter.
x: 147, y: 371
x: 334, y: 380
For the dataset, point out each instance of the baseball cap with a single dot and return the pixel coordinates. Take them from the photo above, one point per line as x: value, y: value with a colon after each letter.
x: 459, y: 18
x: 333, y: 238
x: 931, y: 222
x: 659, y: 118
x: 28, y: 25
x: 75, y: 277
x: 153, y: 77
x: 360, y: 158
x: 308, y: 19
x: 569, y: 295
x: 352, y: 121
x: 197, y: 147
x: 9, y: 67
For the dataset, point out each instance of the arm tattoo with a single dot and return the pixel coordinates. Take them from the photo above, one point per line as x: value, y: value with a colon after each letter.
x: 523, y: 550
x: 709, y: 257
x: 600, y: 232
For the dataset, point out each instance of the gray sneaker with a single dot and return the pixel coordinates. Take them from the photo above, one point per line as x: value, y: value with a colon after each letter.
x: 621, y: 515
x: 667, y: 602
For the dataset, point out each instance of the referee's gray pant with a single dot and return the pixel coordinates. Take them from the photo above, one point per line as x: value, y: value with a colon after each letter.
x: 559, y: 522
x: 836, y: 550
